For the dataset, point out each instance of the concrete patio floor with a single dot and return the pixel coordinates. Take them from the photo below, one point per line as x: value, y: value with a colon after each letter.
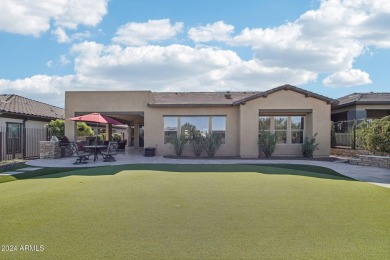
x: 374, y: 175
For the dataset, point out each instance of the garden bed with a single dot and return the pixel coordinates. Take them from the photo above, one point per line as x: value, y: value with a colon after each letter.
x: 328, y: 159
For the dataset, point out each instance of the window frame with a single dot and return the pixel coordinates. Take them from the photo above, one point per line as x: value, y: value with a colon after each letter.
x: 288, y: 131
x: 210, y: 125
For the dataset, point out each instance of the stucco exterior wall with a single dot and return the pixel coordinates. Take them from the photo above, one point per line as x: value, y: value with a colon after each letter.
x: 242, y: 122
x: 318, y: 121
x: 154, y: 128
x: 102, y: 101
x: 28, y: 123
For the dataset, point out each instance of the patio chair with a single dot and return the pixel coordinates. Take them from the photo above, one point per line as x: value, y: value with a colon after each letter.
x: 122, y: 145
x: 82, y: 157
x: 112, y: 149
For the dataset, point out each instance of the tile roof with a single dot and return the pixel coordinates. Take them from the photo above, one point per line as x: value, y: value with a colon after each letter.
x: 222, y: 98
x: 14, y: 104
x: 364, y: 98
x: 197, y: 98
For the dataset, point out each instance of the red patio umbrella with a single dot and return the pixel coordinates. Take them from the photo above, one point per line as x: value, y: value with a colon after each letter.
x: 96, y: 118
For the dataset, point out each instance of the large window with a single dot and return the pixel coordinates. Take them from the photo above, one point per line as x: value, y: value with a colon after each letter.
x: 297, y: 126
x: 190, y: 126
x: 218, y: 126
x: 265, y: 123
x: 194, y: 125
x: 170, y: 128
x: 14, y: 138
x: 281, y: 129
x: 288, y: 129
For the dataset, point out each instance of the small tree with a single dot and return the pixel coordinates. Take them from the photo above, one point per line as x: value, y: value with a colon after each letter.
x: 309, y: 146
x: 57, y: 127
x: 84, y: 130
x: 179, y: 143
x: 376, y: 137
x: 267, y: 143
x: 198, y: 145
x: 212, y: 142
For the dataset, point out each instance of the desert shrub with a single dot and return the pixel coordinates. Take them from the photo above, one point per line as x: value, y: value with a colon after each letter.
x: 198, y: 145
x: 309, y: 146
x: 267, y: 143
x: 179, y: 143
x: 376, y: 137
x: 212, y: 142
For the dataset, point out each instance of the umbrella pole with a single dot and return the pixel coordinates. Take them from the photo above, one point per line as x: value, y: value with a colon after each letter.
x: 97, y: 133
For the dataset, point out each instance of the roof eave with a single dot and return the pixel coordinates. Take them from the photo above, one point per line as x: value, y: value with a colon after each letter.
x: 188, y: 105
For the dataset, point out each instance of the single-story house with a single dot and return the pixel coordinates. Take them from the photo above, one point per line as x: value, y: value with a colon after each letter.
x: 288, y: 111
x: 358, y: 106
x: 17, y: 113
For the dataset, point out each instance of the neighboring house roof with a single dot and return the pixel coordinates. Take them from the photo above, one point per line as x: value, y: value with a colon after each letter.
x: 14, y: 104
x: 371, y: 98
x: 222, y: 98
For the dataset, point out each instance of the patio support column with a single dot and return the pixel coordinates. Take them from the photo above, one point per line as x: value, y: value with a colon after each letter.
x: 71, y: 130
x: 108, y: 132
x: 128, y: 135
x: 136, y: 134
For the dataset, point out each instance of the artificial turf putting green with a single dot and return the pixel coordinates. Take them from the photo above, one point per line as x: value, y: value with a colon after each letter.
x: 196, y: 212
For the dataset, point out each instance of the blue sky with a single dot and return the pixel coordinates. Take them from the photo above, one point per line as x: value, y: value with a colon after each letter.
x: 330, y: 47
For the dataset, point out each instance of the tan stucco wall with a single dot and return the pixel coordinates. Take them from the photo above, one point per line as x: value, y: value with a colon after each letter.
x: 102, y: 101
x: 241, y: 121
x: 154, y: 128
x: 316, y: 122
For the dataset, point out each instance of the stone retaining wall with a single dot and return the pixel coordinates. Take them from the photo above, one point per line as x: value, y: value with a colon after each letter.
x: 371, y: 160
x: 48, y: 149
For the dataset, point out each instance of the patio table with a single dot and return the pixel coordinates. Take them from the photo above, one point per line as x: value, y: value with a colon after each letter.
x: 96, y: 149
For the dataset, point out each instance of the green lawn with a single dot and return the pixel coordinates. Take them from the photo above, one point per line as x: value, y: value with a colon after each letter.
x: 196, y: 212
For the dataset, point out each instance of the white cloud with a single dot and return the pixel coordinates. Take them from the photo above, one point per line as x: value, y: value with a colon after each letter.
x: 34, y: 17
x: 44, y: 88
x: 176, y: 67
x: 61, y: 35
x: 136, y: 34
x: 349, y: 78
x: 326, y: 40
x: 64, y: 60
x: 49, y: 64
x: 218, y: 31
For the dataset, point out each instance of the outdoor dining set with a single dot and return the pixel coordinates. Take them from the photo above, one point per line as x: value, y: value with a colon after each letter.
x: 106, y: 151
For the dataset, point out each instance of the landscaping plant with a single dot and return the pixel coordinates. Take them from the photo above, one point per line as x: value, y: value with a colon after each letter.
x: 376, y: 137
x: 212, y: 143
x: 179, y: 143
x: 267, y: 143
x: 57, y: 128
x: 309, y: 146
x: 198, y: 145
